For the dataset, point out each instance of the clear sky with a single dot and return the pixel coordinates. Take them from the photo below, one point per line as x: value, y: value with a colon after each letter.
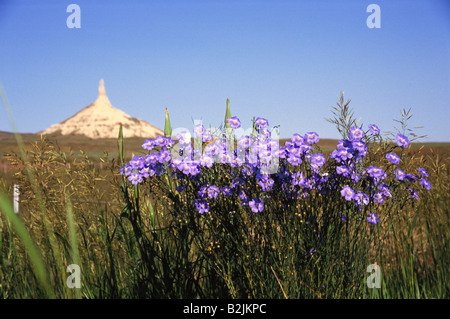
x: 283, y: 60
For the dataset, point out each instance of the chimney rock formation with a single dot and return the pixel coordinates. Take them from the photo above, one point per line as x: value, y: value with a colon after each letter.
x: 102, y: 120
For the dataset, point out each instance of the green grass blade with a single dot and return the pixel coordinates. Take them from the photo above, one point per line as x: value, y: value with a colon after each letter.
x: 32, y: 250
x: 73, y: 240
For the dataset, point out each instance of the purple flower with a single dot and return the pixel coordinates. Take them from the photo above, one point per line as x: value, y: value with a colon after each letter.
x: 356, y: 133
x: 145, y: 172
x: 402, y: 140
x: 213, y: 149
x: 374, y: 129
x: 199, y: 130
x: 289, y: 145
x: 252, y: 159
x: 168, y: 142
x: 186, y: 167
x: 164, y: 156
x: 213, y: 191
x: 282, y: 152
x: 259, y: 147
x: 344, y: 144
x: 236, y: 161
x: 266, y: 184
x: 347, y: 192
x: 265, y: 156
x: 311, y: 137
x: 137, y: 162
x: 355, y: 176
x: 413, y: 193
x: 399, y: 174
x: 344, y: 154
x: 335, y: 155
x: 206, y: 161
x: 256, y: 205
x: 317, y: 161
x: 384, y: 188
x: 425, y: 183
x: 265, y: 133
x: 379, y: 198
x: 203, y: 192
x: 297, y: 139
x: 244, y: 142
x: 423, y: 172
x: 309, y: 183
x: 126, y: 170
x: 148, y: 145
x: 151, y: 158
x: 393, y: 158
x: 305, y: 148
x: 160, y: 141
x: 372, y: 218
x: 342, y: 170
x: 298, y: 179
x: 227, y: 191
x: 261, y: 122
x: 175, y: 162
x: 243, y: 197
x: 135, y: 178
x: 359, y: 146
x: 294, y: 160
x: 274, y: 144
x: 375, y: 172
x: 234, y: 122
x: 202, y: 206
x: 361, y: 198
x: 294, y: 151
x: 184, y: 138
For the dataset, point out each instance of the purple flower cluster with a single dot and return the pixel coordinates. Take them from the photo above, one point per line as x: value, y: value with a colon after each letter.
x: 141, y: 167
x: 249, y: 165
x: 241, y: 173
x: 349, y: 155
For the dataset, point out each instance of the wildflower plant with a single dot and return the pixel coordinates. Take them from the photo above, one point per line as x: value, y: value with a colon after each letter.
x: 258, y: 203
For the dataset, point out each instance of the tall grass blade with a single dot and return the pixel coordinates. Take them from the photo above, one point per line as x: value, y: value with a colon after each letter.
x: 33, y: 252
x: 73, y: 240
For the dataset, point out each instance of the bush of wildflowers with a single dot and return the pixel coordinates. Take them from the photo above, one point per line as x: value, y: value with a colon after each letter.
x: 263, y: 220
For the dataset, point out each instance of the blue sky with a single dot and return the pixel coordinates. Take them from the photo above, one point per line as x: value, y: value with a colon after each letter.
x: 286, y: 61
